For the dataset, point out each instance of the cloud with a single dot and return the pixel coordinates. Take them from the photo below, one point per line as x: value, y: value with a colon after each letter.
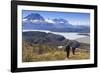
x: 24, y: 20
x: 49, y: 21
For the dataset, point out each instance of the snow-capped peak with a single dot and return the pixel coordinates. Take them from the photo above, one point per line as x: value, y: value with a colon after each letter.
x: 49, y: 21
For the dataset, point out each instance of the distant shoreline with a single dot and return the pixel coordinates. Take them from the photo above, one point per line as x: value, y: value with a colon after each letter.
x: 86, y: 34
x: 67, y: 35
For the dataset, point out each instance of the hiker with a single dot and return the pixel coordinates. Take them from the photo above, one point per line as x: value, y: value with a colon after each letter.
x: 74, y: 48
x: 67, y: 49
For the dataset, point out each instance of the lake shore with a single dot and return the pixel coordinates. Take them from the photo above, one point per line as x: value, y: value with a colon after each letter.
x: 67, y: 35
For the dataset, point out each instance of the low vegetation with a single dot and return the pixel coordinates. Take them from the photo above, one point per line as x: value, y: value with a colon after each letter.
x: 40, y: 52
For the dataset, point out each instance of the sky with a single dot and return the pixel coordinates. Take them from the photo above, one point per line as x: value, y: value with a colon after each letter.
x: 72, y: 17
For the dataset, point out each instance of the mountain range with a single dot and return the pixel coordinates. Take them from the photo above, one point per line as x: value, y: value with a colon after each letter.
x: 35, y: 21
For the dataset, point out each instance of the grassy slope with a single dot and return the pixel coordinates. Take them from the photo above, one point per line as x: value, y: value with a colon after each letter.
x: 32, y: 53
x: 80, y: 54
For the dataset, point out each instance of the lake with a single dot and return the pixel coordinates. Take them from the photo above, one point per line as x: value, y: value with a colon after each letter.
x: 67, y: 35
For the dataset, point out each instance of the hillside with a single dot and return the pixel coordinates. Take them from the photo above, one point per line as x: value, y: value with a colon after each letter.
x: 37, y: 37
x: 84, y: 40
x: 41, y: 46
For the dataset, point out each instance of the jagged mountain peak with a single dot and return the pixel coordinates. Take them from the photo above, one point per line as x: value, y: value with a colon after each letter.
x: 34, y: 16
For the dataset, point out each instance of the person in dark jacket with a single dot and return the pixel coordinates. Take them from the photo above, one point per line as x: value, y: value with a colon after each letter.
x: 74, y: 48
x: 67, y: 49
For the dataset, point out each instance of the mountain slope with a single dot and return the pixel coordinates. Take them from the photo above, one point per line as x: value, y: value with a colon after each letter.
x: 34, y: 16
x: 37, y: 37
